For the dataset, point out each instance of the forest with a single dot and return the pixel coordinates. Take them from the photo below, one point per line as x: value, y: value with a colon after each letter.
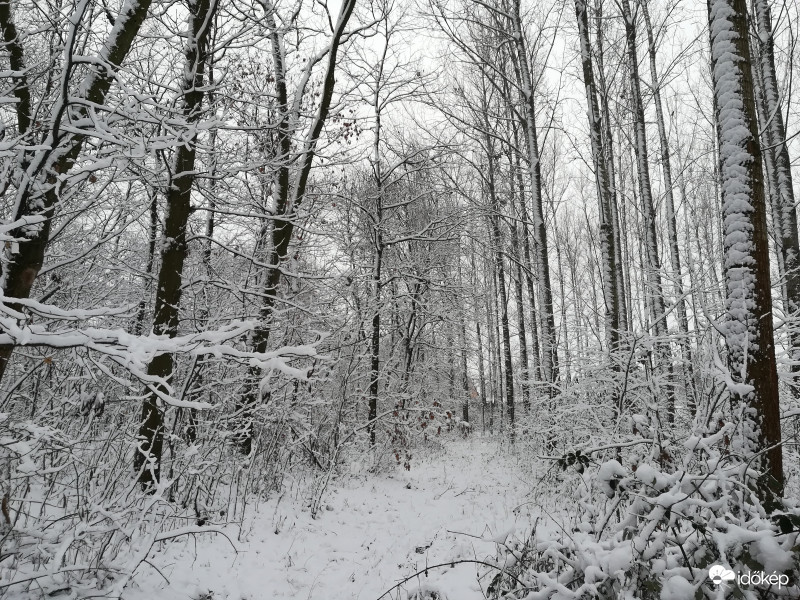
x: 399, y: 299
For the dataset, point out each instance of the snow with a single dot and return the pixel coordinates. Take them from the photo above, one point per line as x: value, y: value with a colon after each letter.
x: 677, y: 588
x: 375, y: 531
x: 737, y: 189
x: 609, y: 475
x: 770, y: 554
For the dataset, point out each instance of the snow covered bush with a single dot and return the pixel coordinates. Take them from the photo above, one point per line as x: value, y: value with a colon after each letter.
x: 646, y: 531
x: 74, y: 521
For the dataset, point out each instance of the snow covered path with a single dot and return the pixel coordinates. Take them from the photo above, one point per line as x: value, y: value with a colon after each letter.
x: 374, y: 531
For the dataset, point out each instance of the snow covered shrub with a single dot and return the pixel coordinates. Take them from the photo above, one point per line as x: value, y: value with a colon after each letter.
x: 644, y: 510
x: 74, y: 521
x: 651, y: 532
x: 70, y: 523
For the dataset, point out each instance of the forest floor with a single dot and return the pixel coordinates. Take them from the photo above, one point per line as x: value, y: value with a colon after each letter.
x: 373, y: 531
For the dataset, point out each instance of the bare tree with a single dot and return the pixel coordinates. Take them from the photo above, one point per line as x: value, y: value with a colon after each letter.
x: 654, y: 295
x: 672, y: 226
x: 52, y: 151
x: 777, y: 153
x: 748, y: 328
x: 289, y: 191
x: 600, y: 162
x: 174, y: 246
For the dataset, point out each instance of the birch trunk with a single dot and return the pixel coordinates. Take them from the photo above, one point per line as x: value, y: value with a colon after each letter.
x: 600, y: 162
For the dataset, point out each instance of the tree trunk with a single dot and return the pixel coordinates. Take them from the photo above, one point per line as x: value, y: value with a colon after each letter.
x: 465, y: 379
x: 748, y: 330
x: 600, y: 162
x: 672, y: 227
x: 608, y: 154
x: 519, y: 296
x: 174, y: 247
x: 481, y: 372
x: 286, y: 202
x: 775, y: 130
x: 654, y: 291
x: 494, y: 222
x: 45, y: 168
x: 548, y: 334
x: 771, y: 180
x: 526, y: 257
x: 152, y: 231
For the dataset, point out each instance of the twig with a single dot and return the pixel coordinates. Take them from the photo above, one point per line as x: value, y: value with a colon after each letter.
x: 451, y: 564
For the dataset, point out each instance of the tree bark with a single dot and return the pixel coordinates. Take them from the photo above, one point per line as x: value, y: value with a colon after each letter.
x: 16, y: 58
x: 42, y: 183
x: 778, y: 151
x: 152, y: 238
x: 540, y: 249
x: 519, y: 296
x: 602, y: 180
x: 377, y: 286
x: 494, y: 228
x: 608, y: 154
x: 174, y: 247
x: 654, y: 292
x: 479, y: 339
x: 526, y: 257
x: 748, y: 329
x: 287, y: 201
x: 672, y: 226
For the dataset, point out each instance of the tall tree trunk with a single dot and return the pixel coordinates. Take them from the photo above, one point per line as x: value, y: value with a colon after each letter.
x: 495, y: 368
x: 654, y: 291
x: 547, y: 327
x: 608, y: 154
x: 375, y: 346
x: 16, y: 58
x: 517, y: 260
x: 672, y: 226
x: 775, y: 130
x: 465, y: 373
x: 477, y: 316
x: 496, y: 324
x: 152, y: 231
x: 526, y: 256
x: 287, y: 201
x: 600, y: 162
x: 462, y: 317
x: 771, y: 179
x: 748, y: 330
x: 494, y: 227
x: 174, y: 247
x: 377, y: 276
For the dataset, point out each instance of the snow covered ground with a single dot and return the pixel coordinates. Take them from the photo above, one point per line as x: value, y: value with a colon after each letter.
x: 373, y: 531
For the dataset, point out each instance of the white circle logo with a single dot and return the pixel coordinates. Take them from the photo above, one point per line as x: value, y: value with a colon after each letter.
x: 719, y: 574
